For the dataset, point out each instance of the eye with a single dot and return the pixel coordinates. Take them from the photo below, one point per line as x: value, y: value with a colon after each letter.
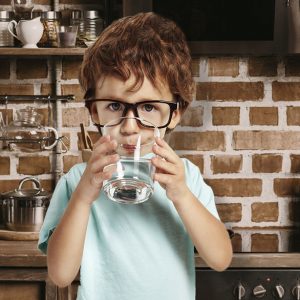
x: 115, y: 106
x: 148, y: 107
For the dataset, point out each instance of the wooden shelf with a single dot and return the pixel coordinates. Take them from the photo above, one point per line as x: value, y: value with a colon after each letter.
x: 42, y: 51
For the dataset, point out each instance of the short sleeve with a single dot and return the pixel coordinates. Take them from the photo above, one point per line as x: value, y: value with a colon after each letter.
x: 58, y: 204
x: 199, y: 188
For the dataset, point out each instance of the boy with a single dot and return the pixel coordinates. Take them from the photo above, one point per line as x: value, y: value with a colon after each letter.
x: 143, y: 251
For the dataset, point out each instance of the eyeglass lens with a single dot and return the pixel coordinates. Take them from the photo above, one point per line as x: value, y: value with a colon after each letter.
x: 157, y: 113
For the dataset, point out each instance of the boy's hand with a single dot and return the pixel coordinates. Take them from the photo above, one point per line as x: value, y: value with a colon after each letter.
x: 170, y: 171
x: 92, y: 179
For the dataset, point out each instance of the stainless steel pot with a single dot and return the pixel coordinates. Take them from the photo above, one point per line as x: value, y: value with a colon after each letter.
x: 24, y: 209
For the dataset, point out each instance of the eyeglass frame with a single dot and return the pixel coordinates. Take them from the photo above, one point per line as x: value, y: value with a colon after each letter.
x: 133, y: 106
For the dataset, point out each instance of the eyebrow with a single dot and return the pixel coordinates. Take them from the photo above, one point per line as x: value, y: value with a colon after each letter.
x: 125, y: 100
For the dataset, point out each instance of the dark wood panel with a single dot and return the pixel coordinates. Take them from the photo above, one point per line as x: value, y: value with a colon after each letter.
x: 23, y: 274
x: 22, y: 291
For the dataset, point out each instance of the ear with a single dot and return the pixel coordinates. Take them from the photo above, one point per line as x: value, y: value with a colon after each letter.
x: 94, y: 113
x: 175, y: 119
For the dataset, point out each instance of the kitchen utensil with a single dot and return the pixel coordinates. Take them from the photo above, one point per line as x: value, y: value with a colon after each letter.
x: 86, y: 139
x: 29, y: 32
x: 24, y: 209
x: 27, y: 134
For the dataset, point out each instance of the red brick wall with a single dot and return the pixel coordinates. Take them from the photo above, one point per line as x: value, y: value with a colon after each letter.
x: 242, y: 130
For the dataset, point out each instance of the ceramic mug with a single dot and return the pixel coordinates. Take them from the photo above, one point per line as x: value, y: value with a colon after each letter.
x: 29, y: 32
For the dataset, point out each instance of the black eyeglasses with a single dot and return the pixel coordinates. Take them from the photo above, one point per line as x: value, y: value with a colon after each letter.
x: 157, y: 112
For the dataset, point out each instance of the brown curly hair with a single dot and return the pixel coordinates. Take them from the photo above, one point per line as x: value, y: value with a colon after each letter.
x: 145, y: 44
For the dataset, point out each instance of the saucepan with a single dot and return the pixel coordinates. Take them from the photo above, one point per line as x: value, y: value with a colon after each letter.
x: 25, y: 209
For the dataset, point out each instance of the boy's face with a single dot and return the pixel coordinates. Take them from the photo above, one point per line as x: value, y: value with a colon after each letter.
x: 111, y: 88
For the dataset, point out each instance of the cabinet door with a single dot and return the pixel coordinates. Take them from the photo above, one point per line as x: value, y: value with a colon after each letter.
x: 68, y: 293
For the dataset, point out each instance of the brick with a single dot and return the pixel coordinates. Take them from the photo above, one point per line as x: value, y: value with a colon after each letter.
x: 293, y: 115
x: 294, y: 241
x: 223, y: 66
x: 47, y: 89
x: 72, y: 117
x: 226, y: 163
x: 196, y: 67
x: 34, y: 165
x: 292, y: 66
x: 230, y: 91
x: 5, y: 69
x: 285, y: 91
x: 294, y: 211
x: 266, y: 140
x: 5, y: 2
x: 16, y: 89
x: 264, y: 242
x: 193, y: 117
x: 240, y: 187
x: 262, y: 66
x: 225, y: 116
x: 230, y: 212
x: 43, y: 2
x: 205, y: 141
x: 196, y: 159
x: 32, y: 68
x: 69, y: 161
x: 73, y: 89
x: 295, y: 163
x: 236, y: 243
x: 266, y: 163
x: 264, y: 212
x: 70, y: 68
x: 284, y: 187
x: 263, y: 116
x: 4, y: 165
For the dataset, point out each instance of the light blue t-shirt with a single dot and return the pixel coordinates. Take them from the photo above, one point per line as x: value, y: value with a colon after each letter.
x: 133, y: 252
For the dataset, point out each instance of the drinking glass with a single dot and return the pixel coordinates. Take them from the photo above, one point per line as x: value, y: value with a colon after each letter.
x: 66, y: 36
x: 132, y: 179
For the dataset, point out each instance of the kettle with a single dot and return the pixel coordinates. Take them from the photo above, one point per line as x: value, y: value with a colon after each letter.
x: 27, y: 134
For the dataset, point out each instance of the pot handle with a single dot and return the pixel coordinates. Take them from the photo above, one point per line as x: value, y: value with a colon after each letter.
x: 55, y: 136
x: 33, y: 179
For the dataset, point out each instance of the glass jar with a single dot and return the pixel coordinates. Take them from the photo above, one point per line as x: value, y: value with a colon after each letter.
x: 27, y: 134
x: 93, y: 26
x: 50, y: 20
x: 6, y: 39
x: 76, y: 19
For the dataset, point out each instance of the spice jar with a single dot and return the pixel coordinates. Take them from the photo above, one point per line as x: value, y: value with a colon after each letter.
x: 6, y: 39
x: 93, y: 26
x: 50, y: 20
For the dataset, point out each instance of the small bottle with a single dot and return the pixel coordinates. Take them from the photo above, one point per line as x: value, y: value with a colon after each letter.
x: 93, y: 26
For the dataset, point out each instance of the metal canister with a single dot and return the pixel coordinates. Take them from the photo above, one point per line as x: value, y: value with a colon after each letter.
x: 50, y: 20
x: 93, y: 25
x: 6, y: 39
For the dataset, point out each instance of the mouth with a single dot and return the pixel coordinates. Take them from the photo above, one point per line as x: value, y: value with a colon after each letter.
x: 129, y: 147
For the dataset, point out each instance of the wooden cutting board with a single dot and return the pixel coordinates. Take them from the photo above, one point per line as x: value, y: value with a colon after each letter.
x: 10, y: 235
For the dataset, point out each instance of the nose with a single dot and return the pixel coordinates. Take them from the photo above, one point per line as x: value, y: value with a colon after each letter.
x: 129, y: 126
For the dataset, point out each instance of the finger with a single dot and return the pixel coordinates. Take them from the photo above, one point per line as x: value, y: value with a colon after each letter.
x: 164, y: 166
x: 101, y: 140
x: 98, y: 178
x: 104, y: 148
x: 101, y: 163
x: 167, y: 153
x: 165, y: 179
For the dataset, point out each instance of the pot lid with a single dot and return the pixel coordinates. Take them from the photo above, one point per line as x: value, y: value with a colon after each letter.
x: 34, y: 193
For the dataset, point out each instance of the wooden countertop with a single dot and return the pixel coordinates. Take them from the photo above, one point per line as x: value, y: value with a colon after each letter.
x: 26, y: 254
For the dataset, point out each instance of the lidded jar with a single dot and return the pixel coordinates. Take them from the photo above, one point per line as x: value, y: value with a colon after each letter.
x: 93, y: 26
x: 50, y: 20
x: 27, y: 134
x: 6, y: 39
